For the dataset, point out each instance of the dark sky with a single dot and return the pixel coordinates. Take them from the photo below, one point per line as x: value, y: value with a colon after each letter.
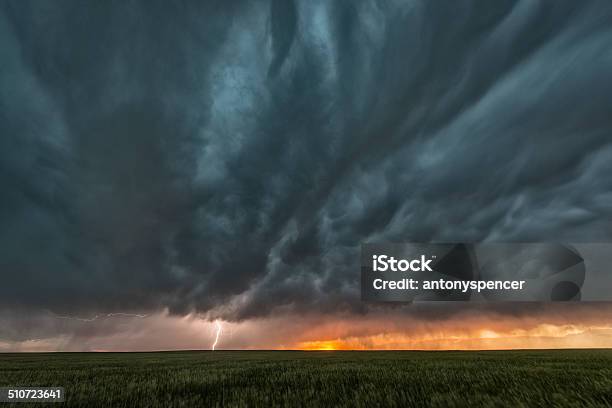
x: 230, y: 157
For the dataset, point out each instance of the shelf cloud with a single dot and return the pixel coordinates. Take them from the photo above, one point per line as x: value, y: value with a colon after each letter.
x: 230, y: 159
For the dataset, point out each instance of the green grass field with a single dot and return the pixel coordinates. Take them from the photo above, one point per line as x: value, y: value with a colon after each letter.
x: 293, y: 378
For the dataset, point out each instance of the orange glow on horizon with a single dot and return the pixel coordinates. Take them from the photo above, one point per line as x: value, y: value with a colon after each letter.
x: 561, y: 327
x: 539, y: 337
x: 326, y: 345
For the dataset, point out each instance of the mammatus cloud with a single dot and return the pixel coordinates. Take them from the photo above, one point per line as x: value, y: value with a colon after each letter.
x: 230, y: 159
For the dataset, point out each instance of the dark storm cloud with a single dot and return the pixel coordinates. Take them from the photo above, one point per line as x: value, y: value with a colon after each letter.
x: 232, y: 159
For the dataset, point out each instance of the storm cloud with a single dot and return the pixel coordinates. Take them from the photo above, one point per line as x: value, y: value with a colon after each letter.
x: 229, y: 158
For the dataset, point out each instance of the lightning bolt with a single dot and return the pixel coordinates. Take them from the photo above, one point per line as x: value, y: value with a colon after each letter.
x: 219, y: 329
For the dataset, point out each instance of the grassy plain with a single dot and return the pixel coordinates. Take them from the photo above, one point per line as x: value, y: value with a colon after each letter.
x: 542, y: 378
